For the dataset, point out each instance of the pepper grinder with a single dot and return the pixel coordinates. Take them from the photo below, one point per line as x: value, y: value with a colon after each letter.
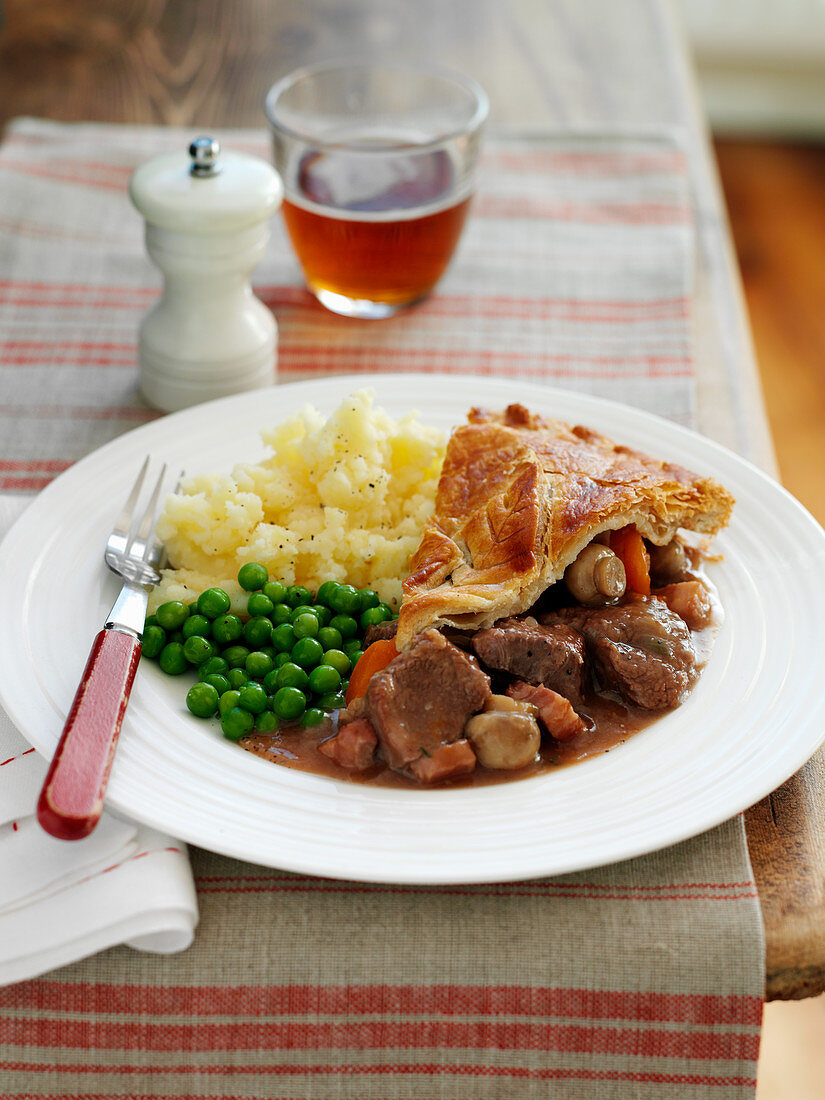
x: 207, y: 226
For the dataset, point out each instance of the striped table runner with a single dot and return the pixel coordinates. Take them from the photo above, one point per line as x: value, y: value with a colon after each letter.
x: 640, y: 980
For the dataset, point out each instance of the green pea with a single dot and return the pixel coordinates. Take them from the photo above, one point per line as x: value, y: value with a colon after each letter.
x: 388, y: 611
x: 202, y: 700
x: 172, y: 614
x: 253, y: 698
x: 367, y: 598
x: 324, y: 614
x: 258, y: 631
x: 305, y: 625
x: 214, y: 664
x: 227, y: 629
x: 329, y: 637
x: 281, y: 613
x: 314, y: 716
x: 289, y: 703
x: 198, y: 649
x: 176, y: 636
x: 218, y: 681
x: 333, y: 700
x: 270, y: 681
x: 237, y: 677
x: 228, y: 700
x: 374, y: 615
x: 172, y: 660
x: 150, y: 620
x: 307, y: 652
x: 298, y: 596
x: 237, y: 723
x: 347, y: 626
x: 258, y: 664
x: 266, y: 722
x: 196, y: 624
x: 345, y: 600
x: 213, y: 602
x: 338, y: 660
x: 259, y: 604
x: 153, y: 640
x: 252, y: 576
x: 236, y: 655
x: 282, y: 659
x: 283, y: 637
x: 325, y: 592
x: 354, y: 658
x: 324, y: 679
x: 275, y: 591
x: 291, y: 675
x: 352, y: 645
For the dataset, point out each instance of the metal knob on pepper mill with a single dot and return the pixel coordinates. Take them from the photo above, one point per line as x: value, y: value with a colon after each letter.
x: 207, y: 218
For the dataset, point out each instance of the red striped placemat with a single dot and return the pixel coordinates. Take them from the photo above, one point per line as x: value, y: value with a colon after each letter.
x: 640, y: 980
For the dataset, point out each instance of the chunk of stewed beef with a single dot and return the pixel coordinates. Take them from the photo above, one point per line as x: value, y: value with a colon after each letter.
x: 423, y: 698
x: 552, y: 655
x: 639, y: 648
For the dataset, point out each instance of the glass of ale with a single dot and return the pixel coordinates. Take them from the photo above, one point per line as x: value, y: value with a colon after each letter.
x: 378, y: 163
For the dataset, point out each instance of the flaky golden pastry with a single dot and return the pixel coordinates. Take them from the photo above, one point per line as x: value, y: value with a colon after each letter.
x: 519, y: 497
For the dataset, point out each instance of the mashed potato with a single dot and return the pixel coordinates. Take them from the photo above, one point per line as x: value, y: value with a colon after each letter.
x: 343, y: 499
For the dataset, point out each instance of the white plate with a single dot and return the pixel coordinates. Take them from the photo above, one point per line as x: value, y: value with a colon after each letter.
x: 756, y: 715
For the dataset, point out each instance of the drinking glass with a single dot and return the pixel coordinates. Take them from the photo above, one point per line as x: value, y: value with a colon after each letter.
x: 378, y: 163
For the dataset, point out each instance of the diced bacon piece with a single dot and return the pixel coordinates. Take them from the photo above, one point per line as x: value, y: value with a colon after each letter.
x: 447, y: 762
x: 690, y: 600
x: 353, y: 746
x: 555, y: 712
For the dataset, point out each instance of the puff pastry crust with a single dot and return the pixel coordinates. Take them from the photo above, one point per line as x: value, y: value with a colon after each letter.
x: 519, y: 497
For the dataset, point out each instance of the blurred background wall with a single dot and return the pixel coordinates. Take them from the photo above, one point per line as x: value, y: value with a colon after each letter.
x: 761, y: 65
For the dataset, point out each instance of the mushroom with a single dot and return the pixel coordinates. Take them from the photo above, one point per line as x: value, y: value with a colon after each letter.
x: 669, y: 562
x: 505, y: 735
x: 596, y: 577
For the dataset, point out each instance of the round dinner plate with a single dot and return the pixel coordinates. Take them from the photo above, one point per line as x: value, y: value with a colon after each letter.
x: 755, y: 716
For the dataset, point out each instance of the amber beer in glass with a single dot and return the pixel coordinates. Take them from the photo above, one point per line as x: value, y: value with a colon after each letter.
x: 378, y: 164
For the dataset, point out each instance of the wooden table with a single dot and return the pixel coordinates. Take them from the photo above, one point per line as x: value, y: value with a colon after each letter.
x: 570, y: 64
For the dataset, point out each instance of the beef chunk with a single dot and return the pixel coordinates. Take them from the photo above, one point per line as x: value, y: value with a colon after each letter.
x: 423, y: 698
x: 380, y: 632
x: 552, y: 655
x: 353, y: 746
x: 640, y: 649
x: 555, y: 712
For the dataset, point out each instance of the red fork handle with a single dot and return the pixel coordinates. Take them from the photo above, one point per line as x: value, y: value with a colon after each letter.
x: 71, y: 800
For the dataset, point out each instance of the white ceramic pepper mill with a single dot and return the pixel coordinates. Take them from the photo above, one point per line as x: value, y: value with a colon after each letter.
x: 207, y: 226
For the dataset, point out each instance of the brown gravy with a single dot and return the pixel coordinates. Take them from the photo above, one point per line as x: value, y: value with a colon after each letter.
x: 610, y: 724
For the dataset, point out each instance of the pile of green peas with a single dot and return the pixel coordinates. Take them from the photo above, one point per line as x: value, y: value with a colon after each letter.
x: 288, y: 660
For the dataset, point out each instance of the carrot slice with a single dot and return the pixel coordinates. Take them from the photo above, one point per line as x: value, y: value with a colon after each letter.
x: 628, y: 545
x: 373, y: 659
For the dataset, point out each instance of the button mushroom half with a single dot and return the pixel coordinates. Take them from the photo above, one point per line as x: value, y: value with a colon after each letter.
x: 596, y: 577
x: 505, y: 735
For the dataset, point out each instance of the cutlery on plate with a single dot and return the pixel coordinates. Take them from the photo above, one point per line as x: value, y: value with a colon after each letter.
x: 71, y: 800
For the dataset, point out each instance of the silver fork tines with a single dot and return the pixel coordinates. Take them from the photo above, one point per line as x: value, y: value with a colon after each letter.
x: 132, y: 549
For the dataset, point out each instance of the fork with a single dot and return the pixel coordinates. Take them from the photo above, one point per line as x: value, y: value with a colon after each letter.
x: 71, y: 800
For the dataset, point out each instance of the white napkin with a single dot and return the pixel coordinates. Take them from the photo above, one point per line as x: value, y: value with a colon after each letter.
x: 63, y: 900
